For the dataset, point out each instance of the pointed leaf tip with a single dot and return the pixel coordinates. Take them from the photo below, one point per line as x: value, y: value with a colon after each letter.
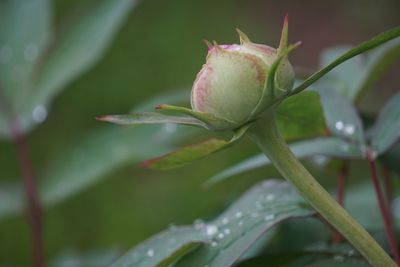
x: 243, y: 37
x: 284, y: 35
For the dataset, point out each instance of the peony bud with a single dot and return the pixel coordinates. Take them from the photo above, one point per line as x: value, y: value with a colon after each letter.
x: 231, y: 83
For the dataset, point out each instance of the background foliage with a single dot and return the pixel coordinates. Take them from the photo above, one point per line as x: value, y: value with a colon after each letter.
x: 110, y: 203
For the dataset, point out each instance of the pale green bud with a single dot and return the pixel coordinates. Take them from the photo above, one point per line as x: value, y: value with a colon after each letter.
x: 232, y: 81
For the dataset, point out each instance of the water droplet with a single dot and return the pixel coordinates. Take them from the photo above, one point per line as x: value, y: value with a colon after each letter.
x: 39, y: 114
x: 198, y: 224
x: 339, y: 125
x: 31, y: 52
x: 349, y: 129
x: 227, y: 231
x: 225, y: 221
x: 339, y: 258
x: 259, y: 205
x: 170, y: 128
x: 351, y: 253
x: 270, y: 197
x: 214, y: 244
x: 6, y: 53
x: 220, y: 236
x: 269, y: 217
x: 211, y: 229
x: 150, y: 253
x: 320, y: 160
x: 238, y: 214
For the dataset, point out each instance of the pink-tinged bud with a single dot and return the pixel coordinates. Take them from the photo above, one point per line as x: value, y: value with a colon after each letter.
x: 232, y: 81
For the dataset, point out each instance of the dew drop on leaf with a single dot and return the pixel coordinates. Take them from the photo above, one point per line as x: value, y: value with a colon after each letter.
x: 39, y: 114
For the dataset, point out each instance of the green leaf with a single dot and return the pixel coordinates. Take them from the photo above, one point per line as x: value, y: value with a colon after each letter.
x: 361, y: 48
x: 342, y: 117
x: 25, y: 32
x: 190, y: 153
x: 386, y: 130
x: 149, y: 118
x: 223, y: 240
x: 164, y: 248
x: 255, y: 213
x: 301, y: 116
x: 329, y: 146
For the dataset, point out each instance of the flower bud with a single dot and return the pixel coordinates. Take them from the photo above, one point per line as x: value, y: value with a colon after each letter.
x: 231, y: 83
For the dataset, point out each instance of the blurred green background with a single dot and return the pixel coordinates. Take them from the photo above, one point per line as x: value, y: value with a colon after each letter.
x: 159, y: 49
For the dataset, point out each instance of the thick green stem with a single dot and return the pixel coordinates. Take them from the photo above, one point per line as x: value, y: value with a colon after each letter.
x: 264, y: 132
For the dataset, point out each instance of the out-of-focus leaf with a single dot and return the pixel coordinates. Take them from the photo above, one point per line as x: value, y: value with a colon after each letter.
x: 100, y: 152
x: 301, y: 116
x: 361, y: 48
x: 190, y: 153
x: 386, y: 130
x: 351, y: 78
x: 342, y: 117
x: 361, y: 203
x: 25, y: 31
x: 11, y: 199
x: 339, y: 261
x: 164, y: 248
x: 149, y: 118
x: 305, y: 258
x: 234, y: 231
x: 329, y: 146
x: 391, y: 158
x: 80, y: 48
x: 95, y: 258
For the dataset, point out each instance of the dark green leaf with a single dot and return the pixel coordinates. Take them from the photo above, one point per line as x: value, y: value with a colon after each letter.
x: 301, y: 116
x: 163, y: 249
x: 190, y: 153
x: 386, y: 130
x: 234, y: 231
x: 361, y: 48
x: 329, y: 146
x: 391, y: 158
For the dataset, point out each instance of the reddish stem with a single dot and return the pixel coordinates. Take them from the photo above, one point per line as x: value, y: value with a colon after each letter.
x: 341, y: 185
x: 34, y: 209
x: 383, y: 208
x: 387, y: 182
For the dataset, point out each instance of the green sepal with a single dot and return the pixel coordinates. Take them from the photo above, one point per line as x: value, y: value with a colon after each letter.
x: 272, y: 93
x: 211, y: 121
x: 138, y: 118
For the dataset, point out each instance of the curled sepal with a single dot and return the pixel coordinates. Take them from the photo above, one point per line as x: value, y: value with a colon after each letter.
x: 150, y: 118
x: 274, y: 90
x: 211, y: 121
x: 193, y: 152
